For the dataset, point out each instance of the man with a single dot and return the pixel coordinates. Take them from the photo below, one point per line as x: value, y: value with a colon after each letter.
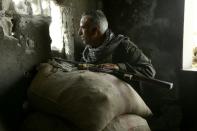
x: 109, y: 50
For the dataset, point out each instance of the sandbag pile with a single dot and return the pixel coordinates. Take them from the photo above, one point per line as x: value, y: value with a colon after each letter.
x: 45, y: 122
x: 90, y: 101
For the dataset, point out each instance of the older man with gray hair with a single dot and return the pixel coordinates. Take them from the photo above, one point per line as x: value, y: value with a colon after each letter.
x: 110, y: 50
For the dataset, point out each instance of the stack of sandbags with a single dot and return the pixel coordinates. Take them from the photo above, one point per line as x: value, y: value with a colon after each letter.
x: 45, y: 122
x: 90, y: 101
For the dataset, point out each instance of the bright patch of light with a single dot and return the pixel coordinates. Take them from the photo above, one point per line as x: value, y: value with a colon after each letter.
x: 67, y: 49
x: 190, y: 33
x: 56, y: 28
x: 45, y: 4
x: 35, y: 9
x: 17, y: 2
x: 22, y: 6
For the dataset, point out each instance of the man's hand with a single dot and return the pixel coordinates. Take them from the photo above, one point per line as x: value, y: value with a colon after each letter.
x: 85, y: 66
x: 109, y: 66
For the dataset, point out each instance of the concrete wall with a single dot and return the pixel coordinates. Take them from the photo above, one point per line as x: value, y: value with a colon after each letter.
x: 19, y: 54
x: 28, y: 46
x: 156, y: 26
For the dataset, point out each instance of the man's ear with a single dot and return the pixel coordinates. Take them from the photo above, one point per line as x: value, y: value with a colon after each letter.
x: 94, y: 30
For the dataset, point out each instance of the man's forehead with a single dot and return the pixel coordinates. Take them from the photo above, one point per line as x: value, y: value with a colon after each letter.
x: 85, y: 21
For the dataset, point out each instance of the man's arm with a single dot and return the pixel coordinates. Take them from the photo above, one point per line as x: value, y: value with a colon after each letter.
x: 134, y: 60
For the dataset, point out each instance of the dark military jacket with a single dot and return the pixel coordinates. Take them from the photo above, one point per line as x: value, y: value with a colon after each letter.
x: 121, y: 51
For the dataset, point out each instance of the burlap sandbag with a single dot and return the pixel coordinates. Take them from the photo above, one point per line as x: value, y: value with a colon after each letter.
x: 89, y: 100
x: 128, y: 122
x: 44, y: 122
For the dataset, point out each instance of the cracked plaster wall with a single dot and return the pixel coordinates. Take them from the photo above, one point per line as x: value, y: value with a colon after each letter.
x: 24, y: 43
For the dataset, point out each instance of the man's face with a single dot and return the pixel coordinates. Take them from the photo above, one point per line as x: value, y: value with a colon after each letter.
x: 86, y: 31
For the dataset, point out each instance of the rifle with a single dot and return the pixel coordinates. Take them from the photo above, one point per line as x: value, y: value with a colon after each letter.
x: 133, y: 77
x: 120, y: 74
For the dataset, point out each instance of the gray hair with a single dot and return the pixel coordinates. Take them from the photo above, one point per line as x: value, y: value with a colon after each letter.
x: 98, y: 18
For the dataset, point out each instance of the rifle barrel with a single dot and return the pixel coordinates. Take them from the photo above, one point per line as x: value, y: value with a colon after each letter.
x: 150, y: 81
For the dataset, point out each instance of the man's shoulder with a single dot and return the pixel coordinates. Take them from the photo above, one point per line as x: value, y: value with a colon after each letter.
x: 126, y: 42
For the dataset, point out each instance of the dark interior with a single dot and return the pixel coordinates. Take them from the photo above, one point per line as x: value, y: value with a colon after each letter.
x: 156, y: 26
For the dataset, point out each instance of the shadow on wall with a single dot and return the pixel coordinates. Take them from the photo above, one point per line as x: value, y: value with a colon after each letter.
x: 155, y: 26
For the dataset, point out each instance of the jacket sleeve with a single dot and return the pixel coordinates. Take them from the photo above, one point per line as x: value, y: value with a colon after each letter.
x: 135, y: 61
